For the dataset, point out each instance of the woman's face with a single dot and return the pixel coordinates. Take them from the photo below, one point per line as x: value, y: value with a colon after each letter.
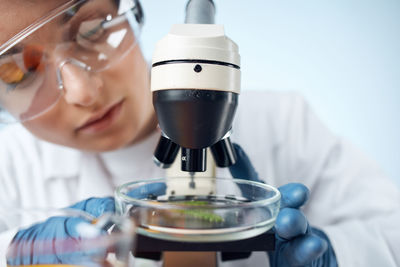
x: 98, y: 111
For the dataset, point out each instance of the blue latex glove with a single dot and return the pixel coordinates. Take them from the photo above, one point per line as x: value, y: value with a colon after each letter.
x: 43, y: 243
x: 28, y: 245
x: 297, y: 244
x: 149, y: 191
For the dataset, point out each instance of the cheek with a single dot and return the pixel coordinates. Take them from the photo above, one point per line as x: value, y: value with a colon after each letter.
x: 133, y: 77
x: 137, y: 76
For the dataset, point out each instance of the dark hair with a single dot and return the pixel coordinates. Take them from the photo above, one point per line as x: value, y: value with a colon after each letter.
x: 138, y: 11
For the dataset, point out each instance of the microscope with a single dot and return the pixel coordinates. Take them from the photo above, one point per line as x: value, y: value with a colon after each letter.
x: 195, y: 82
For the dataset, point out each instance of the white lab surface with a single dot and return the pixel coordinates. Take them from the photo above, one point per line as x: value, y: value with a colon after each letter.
x: 351, y: 200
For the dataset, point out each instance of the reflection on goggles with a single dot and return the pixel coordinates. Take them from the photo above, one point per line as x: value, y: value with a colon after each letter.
x: 11, y: 73
x: 94, y: 32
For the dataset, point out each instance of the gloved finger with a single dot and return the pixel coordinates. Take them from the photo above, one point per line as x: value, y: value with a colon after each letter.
x: 304, y: 249
x: 290, y: 223
x: 34, y: 245
x: 96, y: 206
x: 293, y: 195
x: 78, y: 228
x: 148, y: 191
x: 83, y: 243
x: 57, y: 240
x: 21, y: 250
x: 243, y: 168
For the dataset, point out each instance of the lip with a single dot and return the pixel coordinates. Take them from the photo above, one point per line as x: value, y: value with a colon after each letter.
x: 101, y: 120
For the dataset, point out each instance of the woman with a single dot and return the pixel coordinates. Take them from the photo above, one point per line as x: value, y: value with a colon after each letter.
x: 79, y: 84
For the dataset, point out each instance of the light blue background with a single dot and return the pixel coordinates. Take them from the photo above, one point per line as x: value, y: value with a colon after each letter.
x: 343, y: 55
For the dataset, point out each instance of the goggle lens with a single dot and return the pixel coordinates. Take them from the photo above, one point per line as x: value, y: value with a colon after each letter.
x: 97, y: 33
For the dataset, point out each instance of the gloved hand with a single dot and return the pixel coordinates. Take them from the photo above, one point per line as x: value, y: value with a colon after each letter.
x: 57, y: 240
x: 49, y: 241
x: 148, y: 191
x: 297, y: 244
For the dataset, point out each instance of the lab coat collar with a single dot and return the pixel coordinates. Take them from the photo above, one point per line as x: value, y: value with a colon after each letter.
x: 60, y: 161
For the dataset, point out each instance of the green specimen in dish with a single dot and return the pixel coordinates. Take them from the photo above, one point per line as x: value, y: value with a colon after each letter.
x: 200, y: 214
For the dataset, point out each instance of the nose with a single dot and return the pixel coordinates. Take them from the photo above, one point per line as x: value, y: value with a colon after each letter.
x: 81, y: 87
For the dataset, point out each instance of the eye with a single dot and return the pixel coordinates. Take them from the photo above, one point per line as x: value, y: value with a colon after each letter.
x: 91, y: 31
x: 33, y: 57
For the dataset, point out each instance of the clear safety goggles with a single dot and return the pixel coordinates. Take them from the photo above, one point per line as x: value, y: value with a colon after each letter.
x: 89, y: 34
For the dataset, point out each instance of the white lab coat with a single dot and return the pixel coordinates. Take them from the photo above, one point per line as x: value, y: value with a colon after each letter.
x: 351, y: 199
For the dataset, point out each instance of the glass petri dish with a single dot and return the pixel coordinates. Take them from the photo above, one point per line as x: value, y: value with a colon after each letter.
x: 199, y: 209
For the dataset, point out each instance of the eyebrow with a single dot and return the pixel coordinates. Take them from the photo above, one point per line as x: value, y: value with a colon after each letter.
x: 67, y: 16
